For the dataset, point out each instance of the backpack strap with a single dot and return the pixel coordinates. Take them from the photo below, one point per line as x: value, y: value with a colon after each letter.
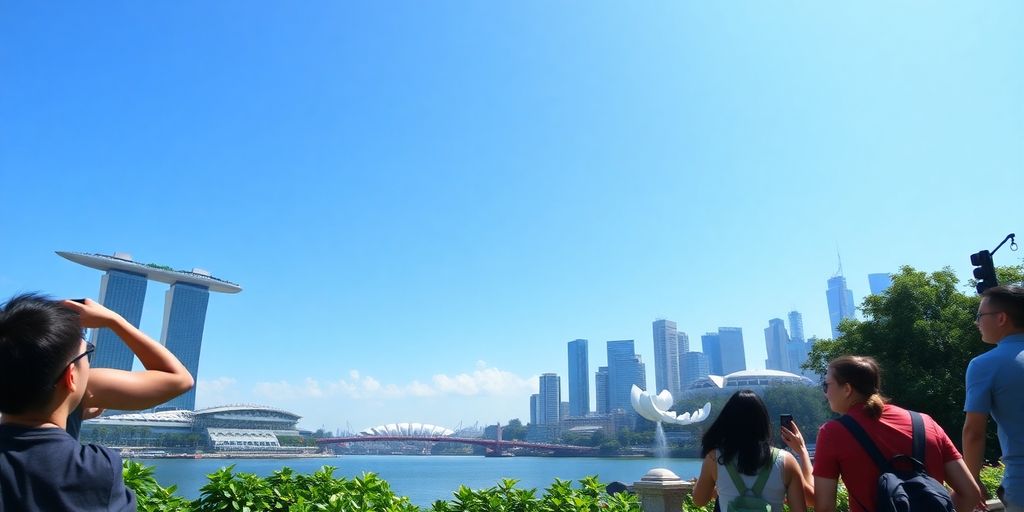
x: 865, y: 442
x: 919, y: 436
x: 762, y: 476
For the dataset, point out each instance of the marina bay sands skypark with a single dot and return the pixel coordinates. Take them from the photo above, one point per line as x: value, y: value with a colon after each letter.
x: 123, y: 290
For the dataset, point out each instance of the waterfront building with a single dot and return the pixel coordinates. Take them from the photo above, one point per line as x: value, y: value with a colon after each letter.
x: 756, y: 380
x: 776, y: 342
x: 840, y: 302
x: 549, y: 399
x: 694, y: 367
x: 625, y: 368
x: 579, y: 378
x: 711, y: 344
x: 879, y: 283
x: 123, y: 290
x: 733, y: 354
x: 601, y: 389
x: 666, y: 356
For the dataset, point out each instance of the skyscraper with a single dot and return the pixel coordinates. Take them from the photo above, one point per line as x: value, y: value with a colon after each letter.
x: 796, y: 326
x: 879, y: 283
x: 579, y: 379
x: 776, y: 341
x: 601, y: 389
x: 712, y: 346
x: 123, y: 290
x: 625, y: 369
x: 124, y: 293
x: 549, y: 399
x: 694, y: 366
x: 840, y: 302
x: 534, y: 409
x: 734, y: 356
x: 666, y: 357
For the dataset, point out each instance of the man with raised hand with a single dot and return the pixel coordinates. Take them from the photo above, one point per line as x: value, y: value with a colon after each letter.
x: 995, y: 386
x: 45, y: 384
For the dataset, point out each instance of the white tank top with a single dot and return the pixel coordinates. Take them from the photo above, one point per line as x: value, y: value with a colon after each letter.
x: 774, y: 490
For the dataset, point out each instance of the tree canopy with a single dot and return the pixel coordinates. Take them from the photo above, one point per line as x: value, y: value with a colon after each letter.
x: 922, y: 333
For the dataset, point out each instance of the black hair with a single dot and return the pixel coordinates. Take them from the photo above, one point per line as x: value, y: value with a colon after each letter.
x: 742, y: 432
x: 864, y: 375
x: 1008, y: 299
x: 37, y: 339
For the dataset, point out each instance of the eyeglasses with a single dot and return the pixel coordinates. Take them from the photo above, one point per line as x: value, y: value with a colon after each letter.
x: 824, y: 386
x: 89, y: 349
x: 977, y: 318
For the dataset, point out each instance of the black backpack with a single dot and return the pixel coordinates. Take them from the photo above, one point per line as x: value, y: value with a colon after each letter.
x: 903, y: 490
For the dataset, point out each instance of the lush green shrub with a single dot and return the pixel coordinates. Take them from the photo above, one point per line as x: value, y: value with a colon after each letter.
x: 323, y: 492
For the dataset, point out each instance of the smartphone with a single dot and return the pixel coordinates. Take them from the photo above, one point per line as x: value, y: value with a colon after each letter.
x: 786, y: 420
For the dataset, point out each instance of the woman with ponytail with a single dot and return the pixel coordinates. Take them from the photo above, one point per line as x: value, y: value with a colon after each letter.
x: 853, y: 386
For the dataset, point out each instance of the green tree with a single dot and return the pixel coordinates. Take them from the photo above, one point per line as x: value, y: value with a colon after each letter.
x: 922, y: 333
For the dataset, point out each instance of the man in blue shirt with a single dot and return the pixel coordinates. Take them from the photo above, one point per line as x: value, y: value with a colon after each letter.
x: 995, y: 386
x: 45, y: 378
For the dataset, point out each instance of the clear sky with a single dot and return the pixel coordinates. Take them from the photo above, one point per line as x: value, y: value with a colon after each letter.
x: 425, y: 201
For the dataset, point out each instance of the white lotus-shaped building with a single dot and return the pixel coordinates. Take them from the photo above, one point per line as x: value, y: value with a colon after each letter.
x: 656, y: 408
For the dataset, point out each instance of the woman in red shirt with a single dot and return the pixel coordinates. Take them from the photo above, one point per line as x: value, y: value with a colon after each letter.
x: 852, y: 386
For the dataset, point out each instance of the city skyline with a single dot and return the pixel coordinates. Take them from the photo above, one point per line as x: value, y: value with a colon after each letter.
x: 426, y: 202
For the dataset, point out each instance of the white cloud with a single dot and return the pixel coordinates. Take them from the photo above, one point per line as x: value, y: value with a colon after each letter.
x: 219, y: 391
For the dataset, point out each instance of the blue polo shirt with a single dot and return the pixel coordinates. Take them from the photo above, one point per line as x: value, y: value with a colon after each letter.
x: 995, y: 385
x: 45, y: 469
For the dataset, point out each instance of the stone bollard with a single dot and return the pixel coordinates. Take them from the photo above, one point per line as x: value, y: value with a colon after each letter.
x: 660, y: 490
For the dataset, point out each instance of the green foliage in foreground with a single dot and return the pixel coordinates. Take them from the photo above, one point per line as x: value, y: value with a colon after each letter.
x: 321, y: 491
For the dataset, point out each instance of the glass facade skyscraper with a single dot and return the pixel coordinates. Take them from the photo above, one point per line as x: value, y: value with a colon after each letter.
x: 625, y: 368
x: 123, y: 293
x: 549, y: 399
x: 712, y: 347
x: 184, y: 319
x: 776, y: 341
x: 796, y: 326
x: 694, y: 367
x: 601, y: 389
x: 666, y: 357
x: 579, y: 379
x: 840, y: 302
x: 879, y: 283
x: 734, y: 358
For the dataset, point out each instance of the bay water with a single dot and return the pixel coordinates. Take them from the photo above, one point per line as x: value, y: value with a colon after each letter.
x: 425, y: 479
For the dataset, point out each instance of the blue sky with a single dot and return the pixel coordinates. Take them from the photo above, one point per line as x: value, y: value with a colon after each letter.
x: 424, y: 201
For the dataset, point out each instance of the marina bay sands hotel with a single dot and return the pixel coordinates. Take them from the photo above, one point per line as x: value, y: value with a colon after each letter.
x: 123, y: 290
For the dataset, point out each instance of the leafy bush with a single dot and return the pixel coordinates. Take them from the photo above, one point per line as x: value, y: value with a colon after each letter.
x: 321, y: 491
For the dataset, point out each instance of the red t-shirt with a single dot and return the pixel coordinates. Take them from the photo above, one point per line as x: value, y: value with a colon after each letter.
x: 838, y: 454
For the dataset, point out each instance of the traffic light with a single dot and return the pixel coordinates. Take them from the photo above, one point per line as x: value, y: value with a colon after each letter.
x: 985, y: 272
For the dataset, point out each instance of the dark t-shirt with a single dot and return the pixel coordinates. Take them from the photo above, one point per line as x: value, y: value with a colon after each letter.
x: 46, y: 469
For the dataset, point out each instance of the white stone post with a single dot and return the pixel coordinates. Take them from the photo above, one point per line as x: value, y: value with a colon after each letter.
x: 660, y: 490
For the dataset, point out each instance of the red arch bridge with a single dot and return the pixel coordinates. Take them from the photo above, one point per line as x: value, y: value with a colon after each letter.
x: 494, y: 446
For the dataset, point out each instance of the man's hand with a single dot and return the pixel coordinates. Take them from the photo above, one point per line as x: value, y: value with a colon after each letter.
x: 92, y: 314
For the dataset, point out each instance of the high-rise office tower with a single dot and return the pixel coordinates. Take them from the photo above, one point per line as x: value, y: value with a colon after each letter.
x: 601, y: 389
x: 879, y: 283
x: 840, y: 302
x: 579, y: 379
x: 712, y: 346
x: 123, y: 290
x: 684, y: 348
x: 776, y: 341
x: 796, y: 326
x: 734, y: 357
x: 695, y: 367
x: 534, y: 408
x: 666, y: 357
x: 625, y: 369
x: 549, y: 399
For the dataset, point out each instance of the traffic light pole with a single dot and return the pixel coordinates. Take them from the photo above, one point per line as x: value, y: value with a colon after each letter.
x: 985, y: 271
